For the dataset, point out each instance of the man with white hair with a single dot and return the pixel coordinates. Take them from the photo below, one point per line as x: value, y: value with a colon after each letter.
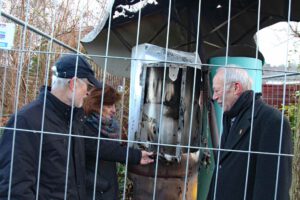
x: 39, y: 158
x: 249, y: 164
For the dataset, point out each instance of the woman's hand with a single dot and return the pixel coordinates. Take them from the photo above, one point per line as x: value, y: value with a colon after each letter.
x: 146, y: 158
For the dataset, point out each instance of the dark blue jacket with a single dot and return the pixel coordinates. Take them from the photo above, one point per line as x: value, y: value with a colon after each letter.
x: 31, y: 131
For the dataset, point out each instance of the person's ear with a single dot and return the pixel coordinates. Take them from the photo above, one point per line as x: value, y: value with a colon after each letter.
x: 71, y: 83
x: 238, y: 88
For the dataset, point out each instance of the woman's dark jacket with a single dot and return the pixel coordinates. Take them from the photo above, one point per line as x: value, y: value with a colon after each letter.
x: 267, y: 141
x: 54, y: 152
x: 110, y: 153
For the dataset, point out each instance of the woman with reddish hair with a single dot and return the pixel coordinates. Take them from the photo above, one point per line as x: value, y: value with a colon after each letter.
x: 110, y: 151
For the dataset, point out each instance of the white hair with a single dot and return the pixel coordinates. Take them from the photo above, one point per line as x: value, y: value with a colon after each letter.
x: 235, y: 73
x: 57, y: 82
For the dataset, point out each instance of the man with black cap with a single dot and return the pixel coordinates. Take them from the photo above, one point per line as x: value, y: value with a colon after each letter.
x: 41, y: 153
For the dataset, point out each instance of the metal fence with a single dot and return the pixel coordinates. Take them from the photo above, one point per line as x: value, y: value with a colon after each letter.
x: 27, y: 66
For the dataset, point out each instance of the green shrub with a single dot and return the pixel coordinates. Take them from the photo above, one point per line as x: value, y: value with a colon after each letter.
x: 292, y: 111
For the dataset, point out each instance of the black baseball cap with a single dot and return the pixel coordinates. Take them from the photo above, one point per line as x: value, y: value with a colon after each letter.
x: 66, y: 65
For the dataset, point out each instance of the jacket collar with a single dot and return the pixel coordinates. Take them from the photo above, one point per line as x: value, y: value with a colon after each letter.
x: 242, y: 103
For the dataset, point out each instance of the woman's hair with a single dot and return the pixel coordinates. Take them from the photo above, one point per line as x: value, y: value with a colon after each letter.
x: 92, y: 102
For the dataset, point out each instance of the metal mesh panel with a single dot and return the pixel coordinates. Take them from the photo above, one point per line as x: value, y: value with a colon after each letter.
x: 137, y: 47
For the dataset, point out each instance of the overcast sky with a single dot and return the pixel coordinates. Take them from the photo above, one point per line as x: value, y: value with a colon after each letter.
x: 274, y: 43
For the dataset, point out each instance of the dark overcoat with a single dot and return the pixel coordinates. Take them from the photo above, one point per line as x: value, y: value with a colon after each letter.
x: 262, y: 173
x: 43, y: 173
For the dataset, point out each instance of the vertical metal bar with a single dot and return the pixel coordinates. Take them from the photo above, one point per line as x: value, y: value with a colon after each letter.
x: 193, y: 97
x: 101, y: 104
x: 70, y: 136
x: 122, y: 106
x: 44, y: 106
x: 4, y: 83
x: 181, y: 124
x: 28, y: 67
x: 277, y: 95
x: 4, y: 79
x: 136, y: 44
x: 37, y: 72
x: 272, y: 97
x: 289, y: 96
x: 181, y: 111
x: 162, y: 98
x: 253, y: 106
x: 283, y: 103
x: 223, y: 99
x: 17, y: 93
x: 121, y: 116
x: 143, y: 83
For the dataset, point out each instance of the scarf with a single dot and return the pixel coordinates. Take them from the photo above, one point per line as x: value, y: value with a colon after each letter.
x: 109, y: 126
x: 240, y: 106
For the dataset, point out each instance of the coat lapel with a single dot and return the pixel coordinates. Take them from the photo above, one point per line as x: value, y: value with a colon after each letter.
x: 240, y: 130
